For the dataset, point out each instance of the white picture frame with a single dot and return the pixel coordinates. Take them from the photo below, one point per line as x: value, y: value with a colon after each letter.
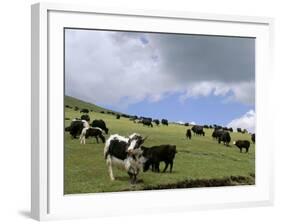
x: 48, y: 201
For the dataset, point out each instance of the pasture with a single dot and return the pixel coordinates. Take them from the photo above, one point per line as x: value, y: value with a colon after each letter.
x: 199, y: 162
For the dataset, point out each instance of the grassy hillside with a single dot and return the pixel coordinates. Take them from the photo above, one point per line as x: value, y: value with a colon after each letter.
x: 199, y: 162
x: 71, y: 101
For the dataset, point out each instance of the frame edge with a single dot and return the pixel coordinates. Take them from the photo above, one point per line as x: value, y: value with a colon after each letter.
x: 35, y: 177
x: 39, y: 189
x: 39, y: 146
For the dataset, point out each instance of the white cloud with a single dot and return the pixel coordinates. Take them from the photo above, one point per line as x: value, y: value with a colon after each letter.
x: 247, y: 121
x: 244, y: 92
x: 192, y: 123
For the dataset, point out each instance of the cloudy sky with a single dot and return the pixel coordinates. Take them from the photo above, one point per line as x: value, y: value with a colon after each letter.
x: 189, y: 78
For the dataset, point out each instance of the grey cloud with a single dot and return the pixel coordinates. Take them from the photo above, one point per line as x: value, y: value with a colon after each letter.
x: 201, y: 58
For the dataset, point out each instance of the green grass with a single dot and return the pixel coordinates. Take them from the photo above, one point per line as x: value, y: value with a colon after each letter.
x: 199, y: 162
x: 71, y: 101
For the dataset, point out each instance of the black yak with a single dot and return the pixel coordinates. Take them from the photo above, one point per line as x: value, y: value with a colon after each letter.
x: 198, y: 130
x: 225, y: 138
x: 217, y: 133
x: 147, y: 122
x: 76, y: 127
x: 242, y: 144
x: 91, y: 132
x: 253, y: 138
x: 100, y: 124
x: 188, y: 133
x: 156, y: 121
x: 156, y: 154
x: 85, y: 117
x: 164, y: 122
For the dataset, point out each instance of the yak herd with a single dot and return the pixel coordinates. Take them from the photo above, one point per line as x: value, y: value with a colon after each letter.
x: 129, y: 152
x: 222, y: 134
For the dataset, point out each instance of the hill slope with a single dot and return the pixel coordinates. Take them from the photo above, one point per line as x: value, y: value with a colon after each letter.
x: 71, y: 101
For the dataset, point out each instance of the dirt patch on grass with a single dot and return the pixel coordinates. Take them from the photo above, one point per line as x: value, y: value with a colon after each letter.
x: 216, y: 182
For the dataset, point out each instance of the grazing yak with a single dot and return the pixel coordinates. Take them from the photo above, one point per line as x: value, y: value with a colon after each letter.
x: 186, y: 124
x: 124, y: 153
x: 148, y: 118
x: 217, y: 126
x: 125, y: 115
x: 253, y: 138
x: 242, y: 144
x: 156, y: 154
x: 198, y: 130
x: 188, y: 133
x: 147, y: 122
x: 132, y: 118
x: 85, y: 117
x: 227, y: 129
x: 217, y: 133
x: 84, y: 111
x: 225, y: 138
x: 118, y: 116
x: 100, y: 124
x: 76, y: 127
x: 165, y: 122
x: 239, y: 130
x: 91, y: 132
x: 156, y: 121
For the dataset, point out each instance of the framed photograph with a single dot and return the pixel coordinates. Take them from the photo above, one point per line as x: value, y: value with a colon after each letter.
x: 161, y: 111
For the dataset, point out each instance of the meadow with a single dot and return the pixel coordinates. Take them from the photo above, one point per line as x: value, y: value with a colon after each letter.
x: 199, y: 162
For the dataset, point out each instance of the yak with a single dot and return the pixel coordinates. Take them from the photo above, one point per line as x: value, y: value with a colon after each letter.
x: 156, y: 154
x: 147, y: 122
x: 242, y: 144
x: 188, y: 133
x: 100, y: 124
x: 164, y: 122
x: 85, y: 117
x: 198, y: 130
x: 225, y: 138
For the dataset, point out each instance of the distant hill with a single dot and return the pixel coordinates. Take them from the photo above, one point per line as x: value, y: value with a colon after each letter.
x: 71, y: 101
